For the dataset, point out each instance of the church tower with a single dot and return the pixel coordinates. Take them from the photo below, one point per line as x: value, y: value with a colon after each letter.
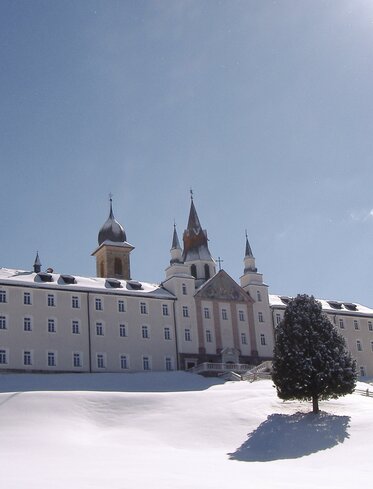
x: 113, y: 252
x: 196, y: 254
x: 251, y: 275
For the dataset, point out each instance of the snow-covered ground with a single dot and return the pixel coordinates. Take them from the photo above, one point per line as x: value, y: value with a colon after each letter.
x: 175, y: 430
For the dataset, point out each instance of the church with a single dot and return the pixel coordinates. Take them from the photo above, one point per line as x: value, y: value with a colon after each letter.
x: 197, y: 317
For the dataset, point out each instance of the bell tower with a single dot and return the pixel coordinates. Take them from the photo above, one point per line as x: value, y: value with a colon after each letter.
x: 196, y: 253
x: 113, y: 251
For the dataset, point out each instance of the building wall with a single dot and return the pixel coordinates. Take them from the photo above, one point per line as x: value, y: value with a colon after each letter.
x: 94, y: 332
x: 359, y: 338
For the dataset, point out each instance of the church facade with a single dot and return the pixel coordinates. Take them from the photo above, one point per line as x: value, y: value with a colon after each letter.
x: 111, y: 323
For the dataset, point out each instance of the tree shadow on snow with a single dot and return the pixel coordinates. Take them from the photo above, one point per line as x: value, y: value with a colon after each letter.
x: 284, y: 436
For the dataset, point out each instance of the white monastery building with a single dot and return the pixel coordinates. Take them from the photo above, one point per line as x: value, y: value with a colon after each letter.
x: 50, y: 322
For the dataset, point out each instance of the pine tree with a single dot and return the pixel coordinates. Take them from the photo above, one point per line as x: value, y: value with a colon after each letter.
x: 311, y: 361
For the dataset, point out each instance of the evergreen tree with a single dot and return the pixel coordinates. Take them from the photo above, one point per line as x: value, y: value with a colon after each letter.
x: 311, y: 361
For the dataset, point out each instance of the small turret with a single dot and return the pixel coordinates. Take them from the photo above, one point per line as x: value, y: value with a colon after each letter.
x: 249, y: 260
x: 37, y: 263
x: 176, y: 251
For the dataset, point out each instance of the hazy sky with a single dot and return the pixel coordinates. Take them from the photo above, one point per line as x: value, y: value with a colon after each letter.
x: 263, y: 107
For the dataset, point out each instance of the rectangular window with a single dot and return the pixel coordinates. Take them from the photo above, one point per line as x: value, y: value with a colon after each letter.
x: 2, y: 296
x: 145, y: 332
x: 2, y: 322
x: 146, y: 363
x: 243, y: 339
x: 260, y: 317
x: 224, y: 314
x: 75, y: 327
x: 27, y: 298
x: 143, y: 308
x: 123, y: 362
x: 371, y: 345
x: 51, y: 326
x: 167, y: 333
x: 370, y: 326
x: 187, y: 335
x: 51, y: 359
x: 27, y: 325
x: 165, y: 309
x: 184, y: 289
x: 50, y: 300
x: 356, y: 324
x: 241, y: 315
x: 77, y: 361
x: 263, y: 339
x: 208, y: 336
x: 168, y: 363
x: 258, y: 296
x: 99, y: 329
x: 3, y: 357
x: 341, y: 324
x: 122, y: 330
x: 98, y: 304
x: 278, y: 318
x: 206, y: 312
x: 100, y: 360
x: 121, y: 307
x: 362, y: 371
x: 185, y: 312
x: 358, y: 345
x: 27, y: 358
x: 75, y: 302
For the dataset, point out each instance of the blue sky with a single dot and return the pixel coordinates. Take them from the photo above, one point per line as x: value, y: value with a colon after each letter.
x: 264, y: 108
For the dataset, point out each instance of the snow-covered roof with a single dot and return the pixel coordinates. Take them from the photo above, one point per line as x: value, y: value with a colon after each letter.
x: 329, y: 306
x: 95, y: 284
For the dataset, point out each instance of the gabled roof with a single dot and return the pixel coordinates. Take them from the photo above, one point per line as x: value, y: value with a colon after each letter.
x: 222, y: 287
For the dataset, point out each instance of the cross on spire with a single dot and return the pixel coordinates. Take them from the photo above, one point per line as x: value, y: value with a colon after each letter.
x: 111, y: 197
x: 220, y: 261
x: 191, y: 193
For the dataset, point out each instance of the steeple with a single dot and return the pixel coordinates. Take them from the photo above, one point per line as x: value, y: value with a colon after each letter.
x: 250, y: 276
x: 249, y: 260
x: 37, y: 263
x: 196, y: 253
x: 176, y: 252
x: 113, y: 252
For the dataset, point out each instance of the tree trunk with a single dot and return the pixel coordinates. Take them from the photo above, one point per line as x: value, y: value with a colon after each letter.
x: 315, y: 404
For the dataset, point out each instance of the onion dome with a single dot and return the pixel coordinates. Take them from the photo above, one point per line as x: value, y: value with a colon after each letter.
x: 111, y: 230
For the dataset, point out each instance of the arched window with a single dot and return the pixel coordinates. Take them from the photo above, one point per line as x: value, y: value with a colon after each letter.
x: 102, y: 269
x: 193, y: 271
x: 207, y: 272
x: 118, y: 269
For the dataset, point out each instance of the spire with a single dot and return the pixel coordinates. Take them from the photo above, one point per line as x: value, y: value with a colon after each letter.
x: 249, y: 259
x: 175, y: 240
x: 196, y: 253
x: 176, y: 253
x: 111, y: 230
x: 195, y: 238
x: 193, y: 221
x: 248, y: 251
x: 37, y: 263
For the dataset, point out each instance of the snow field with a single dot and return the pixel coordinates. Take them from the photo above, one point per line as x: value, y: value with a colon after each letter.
x: 175, y: 430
